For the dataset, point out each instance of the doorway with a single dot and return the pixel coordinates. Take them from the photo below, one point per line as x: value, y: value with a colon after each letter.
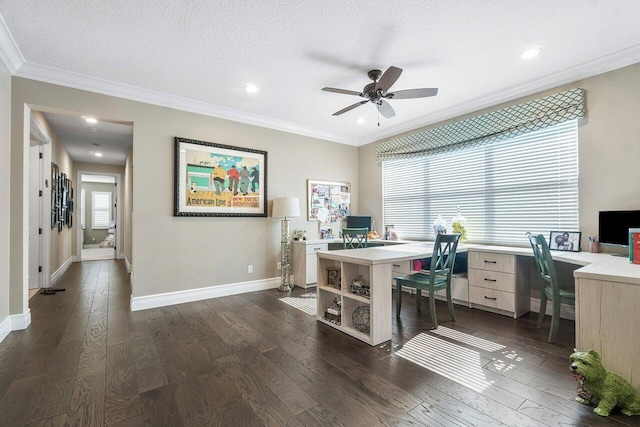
x: 39, y: 202
x: 99, y: 195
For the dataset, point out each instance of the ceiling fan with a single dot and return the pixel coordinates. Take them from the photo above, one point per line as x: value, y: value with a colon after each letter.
x: 378, y: 91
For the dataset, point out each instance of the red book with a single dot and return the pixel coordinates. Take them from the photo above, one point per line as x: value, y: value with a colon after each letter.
x: 636, y: 248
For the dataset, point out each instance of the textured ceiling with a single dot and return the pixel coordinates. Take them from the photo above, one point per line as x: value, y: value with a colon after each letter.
x: 207, y: 51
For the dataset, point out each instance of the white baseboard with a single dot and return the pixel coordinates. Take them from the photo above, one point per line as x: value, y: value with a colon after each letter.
x: 75, y: 258
x: 128, y: 264
x: 60, y: 271
x: 120, y: 255
x: 180, y: 297
x: 566, y: 311
x: 20, y: 321
x: 5, y: 328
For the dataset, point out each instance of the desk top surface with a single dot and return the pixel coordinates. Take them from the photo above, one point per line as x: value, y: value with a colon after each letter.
x: 592, y: 266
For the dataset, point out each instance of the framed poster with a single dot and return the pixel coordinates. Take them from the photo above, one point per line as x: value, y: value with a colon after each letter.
x: 219, y: 180
x: 328, y: 201
x: 565, y: 241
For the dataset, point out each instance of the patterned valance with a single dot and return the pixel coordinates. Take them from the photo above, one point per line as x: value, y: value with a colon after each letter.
x: 489, y: 127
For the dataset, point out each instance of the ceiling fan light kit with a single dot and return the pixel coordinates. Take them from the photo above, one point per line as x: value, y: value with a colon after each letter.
x: 378, y: 91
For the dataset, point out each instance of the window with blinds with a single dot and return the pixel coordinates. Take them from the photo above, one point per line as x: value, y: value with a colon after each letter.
x: 101, y: 209
x: 504, y: 189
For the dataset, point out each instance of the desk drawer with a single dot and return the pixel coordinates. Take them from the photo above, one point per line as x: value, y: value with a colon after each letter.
x: 311, y: 249
x: 403, y: 267
x: 492, y: 262
x: 492, y: 279
x: 492, y: 298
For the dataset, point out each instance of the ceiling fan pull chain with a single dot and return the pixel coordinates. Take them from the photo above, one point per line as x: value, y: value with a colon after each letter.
x: 378, y: 108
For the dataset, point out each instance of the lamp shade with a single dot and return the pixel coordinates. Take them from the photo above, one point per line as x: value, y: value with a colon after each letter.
x: 286, y: 207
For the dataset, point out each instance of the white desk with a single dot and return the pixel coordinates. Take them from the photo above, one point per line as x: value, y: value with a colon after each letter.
x: 607, y: 296
x: 305, y: 269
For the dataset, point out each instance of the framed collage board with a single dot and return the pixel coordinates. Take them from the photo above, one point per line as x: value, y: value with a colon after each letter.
x: 328, y: 201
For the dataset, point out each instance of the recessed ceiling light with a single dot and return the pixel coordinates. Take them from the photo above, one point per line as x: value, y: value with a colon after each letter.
x: 251, y: 88
x: 531, y: 53
x: 98, y: 154
x: 91, y: 120
x: 361, y: 120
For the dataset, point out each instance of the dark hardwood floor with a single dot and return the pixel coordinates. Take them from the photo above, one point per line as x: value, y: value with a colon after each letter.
x: 254, y: 360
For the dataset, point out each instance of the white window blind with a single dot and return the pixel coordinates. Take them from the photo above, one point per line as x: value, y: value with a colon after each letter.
x: 101, y: 209
x: 504, y: 189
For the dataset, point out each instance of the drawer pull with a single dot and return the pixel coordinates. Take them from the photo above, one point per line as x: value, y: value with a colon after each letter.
x: 316, y: 249
x: 396, y: 265
x: 491, y: 298
x: 490, y: 280
x: 489, y: 262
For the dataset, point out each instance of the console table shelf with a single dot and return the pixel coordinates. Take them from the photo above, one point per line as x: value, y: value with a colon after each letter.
x: 378, y: 277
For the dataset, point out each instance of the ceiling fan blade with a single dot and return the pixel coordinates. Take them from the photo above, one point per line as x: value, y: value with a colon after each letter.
x: 388, y: 78
x: 344, y: 91
x: 413, y: 93
x: 349, y: 108
x: 385, y: 109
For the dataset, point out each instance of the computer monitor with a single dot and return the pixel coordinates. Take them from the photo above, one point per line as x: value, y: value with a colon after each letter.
x: 614, y: 226
x: 359, y: 222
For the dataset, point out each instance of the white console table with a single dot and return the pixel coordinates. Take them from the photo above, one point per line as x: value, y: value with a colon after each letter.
x: 375, y: 265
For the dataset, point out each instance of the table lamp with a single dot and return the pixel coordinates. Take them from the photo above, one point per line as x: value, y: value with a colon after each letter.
x: 286, y: 207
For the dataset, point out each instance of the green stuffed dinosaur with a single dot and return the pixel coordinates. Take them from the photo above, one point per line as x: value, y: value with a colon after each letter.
x: 595, y: 381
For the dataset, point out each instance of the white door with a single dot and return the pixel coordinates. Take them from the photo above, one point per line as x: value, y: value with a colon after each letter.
x: 35, y: 218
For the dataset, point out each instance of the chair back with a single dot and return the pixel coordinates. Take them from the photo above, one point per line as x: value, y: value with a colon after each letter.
x: 353, y: 238
x: 544, y: 264
x: 444, y: 255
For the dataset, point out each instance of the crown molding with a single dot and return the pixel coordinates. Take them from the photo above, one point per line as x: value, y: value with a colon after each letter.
x: 601, y: 65
x: 134, y: 93
x: 10, y: 55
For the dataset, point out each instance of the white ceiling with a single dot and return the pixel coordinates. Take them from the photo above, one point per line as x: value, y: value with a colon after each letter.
x: 198, y: 55
x: 82, y: 140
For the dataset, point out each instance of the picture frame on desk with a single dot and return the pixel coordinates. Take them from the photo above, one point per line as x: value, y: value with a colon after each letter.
x: 568, y: 241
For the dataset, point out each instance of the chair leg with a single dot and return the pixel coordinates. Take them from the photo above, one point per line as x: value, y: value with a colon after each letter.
x: 543, y: 309
x: 450, y: 304
x: 555, y: 320
x: 418, y: 298
x: 432, y: 306
x: 398, y: 297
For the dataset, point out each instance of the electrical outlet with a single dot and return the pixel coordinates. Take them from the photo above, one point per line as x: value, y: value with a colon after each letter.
x: 250, y: 269
x: 279, y: 266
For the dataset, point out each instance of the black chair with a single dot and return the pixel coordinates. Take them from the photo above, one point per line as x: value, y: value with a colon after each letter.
x: 551, y: 288
x: 353, y: 238
x: 438, y: 277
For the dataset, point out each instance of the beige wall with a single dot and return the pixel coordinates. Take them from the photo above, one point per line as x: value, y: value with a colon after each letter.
x: 609, y: 149
x: 170, y: 253
x: 5, y: 154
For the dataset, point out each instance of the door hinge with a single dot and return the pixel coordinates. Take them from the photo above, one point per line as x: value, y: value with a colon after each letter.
x: 40, y: 193
x: 40, y: 155
x: 39, y: 269
x: 39, y: 230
